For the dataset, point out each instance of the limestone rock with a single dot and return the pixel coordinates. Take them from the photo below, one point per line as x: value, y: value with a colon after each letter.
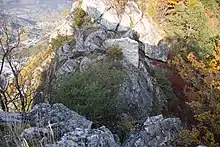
x: 156, y: 131
x: 79, y: 37
x: 95, y: 40
x: 85, y: 64
x: 59, y: 117
x: 95, y: 8
x: 88, y: 138
x: 158, y: 52
x: 64, y: 52
x: 129, y: 48
x: 131, y: 18
x: 137, y: 93
x: 68, y: 67
x: 65, y: 29
x: 57, y: 126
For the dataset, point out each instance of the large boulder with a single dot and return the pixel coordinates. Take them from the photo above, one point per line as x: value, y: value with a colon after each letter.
x: 156, y: 131
x: 53, y: 121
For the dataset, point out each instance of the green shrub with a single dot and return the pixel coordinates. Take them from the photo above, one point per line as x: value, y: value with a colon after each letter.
x: 163, y: 81
x: 80, y: 18
x: 59, y: 41
x: 92, y: 93
x: 189, y: 23
x: 210, y: 4
x: 10, y: 134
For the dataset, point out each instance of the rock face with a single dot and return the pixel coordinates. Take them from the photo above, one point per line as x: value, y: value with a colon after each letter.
x: 68, y: 67
x: 56, y: 122
x: 156, y: 131
x: 137, y: 93
x: 130, y: 48
x: 57, y: 126
x: 131, y: 18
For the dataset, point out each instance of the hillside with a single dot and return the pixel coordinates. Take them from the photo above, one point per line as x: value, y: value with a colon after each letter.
x: 121, y: 73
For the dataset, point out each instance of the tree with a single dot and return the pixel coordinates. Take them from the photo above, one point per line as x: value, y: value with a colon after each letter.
x: 9, y: 44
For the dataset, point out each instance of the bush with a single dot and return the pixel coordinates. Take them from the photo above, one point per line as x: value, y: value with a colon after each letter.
x: 115, y: 52
x: 189, y: 22
x: 59, y: 41
x: 203, y: 93
x: 80, y: 18
x: 209, y: 4
x: 92, y: 93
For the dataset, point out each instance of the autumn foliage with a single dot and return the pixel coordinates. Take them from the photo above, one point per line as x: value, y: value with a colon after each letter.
x: 203, y: 92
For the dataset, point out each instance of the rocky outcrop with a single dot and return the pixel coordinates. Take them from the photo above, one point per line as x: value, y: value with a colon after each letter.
x: 131, y: 18
x: 68, y: 67
x: 137, y: 93
x: 56, y: 123
x: 53, y: 121
x: 156, y: 131
x: 57, y: 126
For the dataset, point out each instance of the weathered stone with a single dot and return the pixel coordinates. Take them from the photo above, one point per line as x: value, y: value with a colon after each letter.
x: 129, y: 48
x: 131, y: 18
x: 137, y: 93
x: 156, y: 131
x: 68, y: 67
x: 36, y: 133
x: 158, y: 52
x: 110, y: 19
x: 79, y: 37
x: 85, y: 64
x: 95, y: 40
x: 95, y: 8
x: 60, y: 118
x: 56, y: 122
x: 65, y: 29
x: 88, y: 138
x: 64, y: 52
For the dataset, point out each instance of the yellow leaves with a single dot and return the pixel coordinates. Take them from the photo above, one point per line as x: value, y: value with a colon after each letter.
x: 193, y: 3
x: 191, y: 57
x: 205, y: 116
x: 151, y: 8
x: 172, y: 2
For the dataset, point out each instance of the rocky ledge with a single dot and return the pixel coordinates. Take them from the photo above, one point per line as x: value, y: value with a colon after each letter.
x: 57, y: 126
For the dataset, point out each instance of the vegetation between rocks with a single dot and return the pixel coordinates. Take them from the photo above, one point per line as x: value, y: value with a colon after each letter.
x: 92, y: 93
